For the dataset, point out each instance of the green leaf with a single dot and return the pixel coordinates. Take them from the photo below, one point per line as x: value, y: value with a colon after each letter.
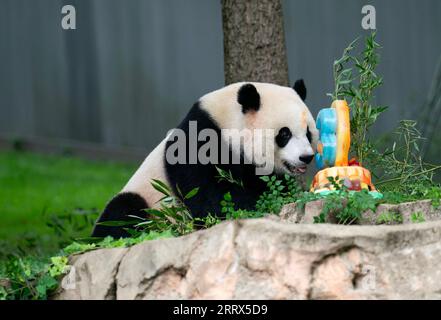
x: 161, y: 187
x: 117, y: 223
x: 345, y: 81
x: 192, y: 193
x: 76, y: 247
x: 154, y: 212
x: 132, y: 232
x: 135, y: 217
x: 88, y: 239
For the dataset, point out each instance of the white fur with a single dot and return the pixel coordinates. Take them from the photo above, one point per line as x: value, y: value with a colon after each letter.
x: 279, y: 107
x: 151, y: 168
x: 296, y: 146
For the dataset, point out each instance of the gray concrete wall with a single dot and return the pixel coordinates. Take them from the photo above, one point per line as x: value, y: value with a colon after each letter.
x: 132, y: 69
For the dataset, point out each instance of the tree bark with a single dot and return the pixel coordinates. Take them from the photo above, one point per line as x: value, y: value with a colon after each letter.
x: 254, y: 41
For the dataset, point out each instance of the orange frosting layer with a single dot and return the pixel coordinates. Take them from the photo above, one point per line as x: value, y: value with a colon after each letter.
x: 343, y: 132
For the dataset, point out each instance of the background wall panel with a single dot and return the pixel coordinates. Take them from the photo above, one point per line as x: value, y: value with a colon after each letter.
x: 132, y: 69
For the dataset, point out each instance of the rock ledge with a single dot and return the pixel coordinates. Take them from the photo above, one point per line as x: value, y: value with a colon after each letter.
x: 267, y: 259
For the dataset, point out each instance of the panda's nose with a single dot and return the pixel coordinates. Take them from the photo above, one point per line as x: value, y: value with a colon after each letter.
x: 306, y: 158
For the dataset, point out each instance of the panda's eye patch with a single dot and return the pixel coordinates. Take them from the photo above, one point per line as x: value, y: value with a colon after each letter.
x: 283, y: 137
x: 308, y: 135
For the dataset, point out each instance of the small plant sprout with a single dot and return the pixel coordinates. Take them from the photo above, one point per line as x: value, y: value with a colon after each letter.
x: 389, y: 218
x: 345, y: 205
x: 279, y: 192
x: 227, y: 176
x: 173, y: 214
x: 403, y: 169
x: 417, y: 217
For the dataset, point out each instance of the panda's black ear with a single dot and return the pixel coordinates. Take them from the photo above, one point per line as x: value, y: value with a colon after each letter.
x: 248, y: 98
x: 300, y: 88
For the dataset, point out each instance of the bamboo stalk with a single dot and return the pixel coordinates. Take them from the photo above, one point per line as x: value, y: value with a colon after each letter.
x: 413, y: 175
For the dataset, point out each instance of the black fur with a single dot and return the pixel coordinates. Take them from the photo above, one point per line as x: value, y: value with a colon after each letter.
x: 211, y: 192
x: 249, y: 98
x: 300, y: 88
x: 283, y: 137
x: 118, y: 209
x: 308, y: 135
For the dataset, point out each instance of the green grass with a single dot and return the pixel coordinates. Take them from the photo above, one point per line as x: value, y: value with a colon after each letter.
x: 35, y: 187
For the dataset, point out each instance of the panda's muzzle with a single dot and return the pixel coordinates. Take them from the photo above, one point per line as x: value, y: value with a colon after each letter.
x: 294, y: 169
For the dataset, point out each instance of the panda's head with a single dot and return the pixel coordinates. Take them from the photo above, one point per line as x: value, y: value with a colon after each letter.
x: 280, y: 132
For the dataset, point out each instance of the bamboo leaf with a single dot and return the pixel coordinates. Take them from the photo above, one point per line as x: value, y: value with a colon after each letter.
x: 117, y: 223
x: 192, y: 193
x: 161, y: 187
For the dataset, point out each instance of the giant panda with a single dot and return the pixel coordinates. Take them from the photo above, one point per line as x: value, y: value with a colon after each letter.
x: 285, y: 144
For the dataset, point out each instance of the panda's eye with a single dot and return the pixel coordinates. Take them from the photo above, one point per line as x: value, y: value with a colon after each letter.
x: 283, y: 137
x: 308, y: 135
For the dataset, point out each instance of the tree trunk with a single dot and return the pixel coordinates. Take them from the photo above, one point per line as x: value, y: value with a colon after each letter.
x: 254, y: 41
